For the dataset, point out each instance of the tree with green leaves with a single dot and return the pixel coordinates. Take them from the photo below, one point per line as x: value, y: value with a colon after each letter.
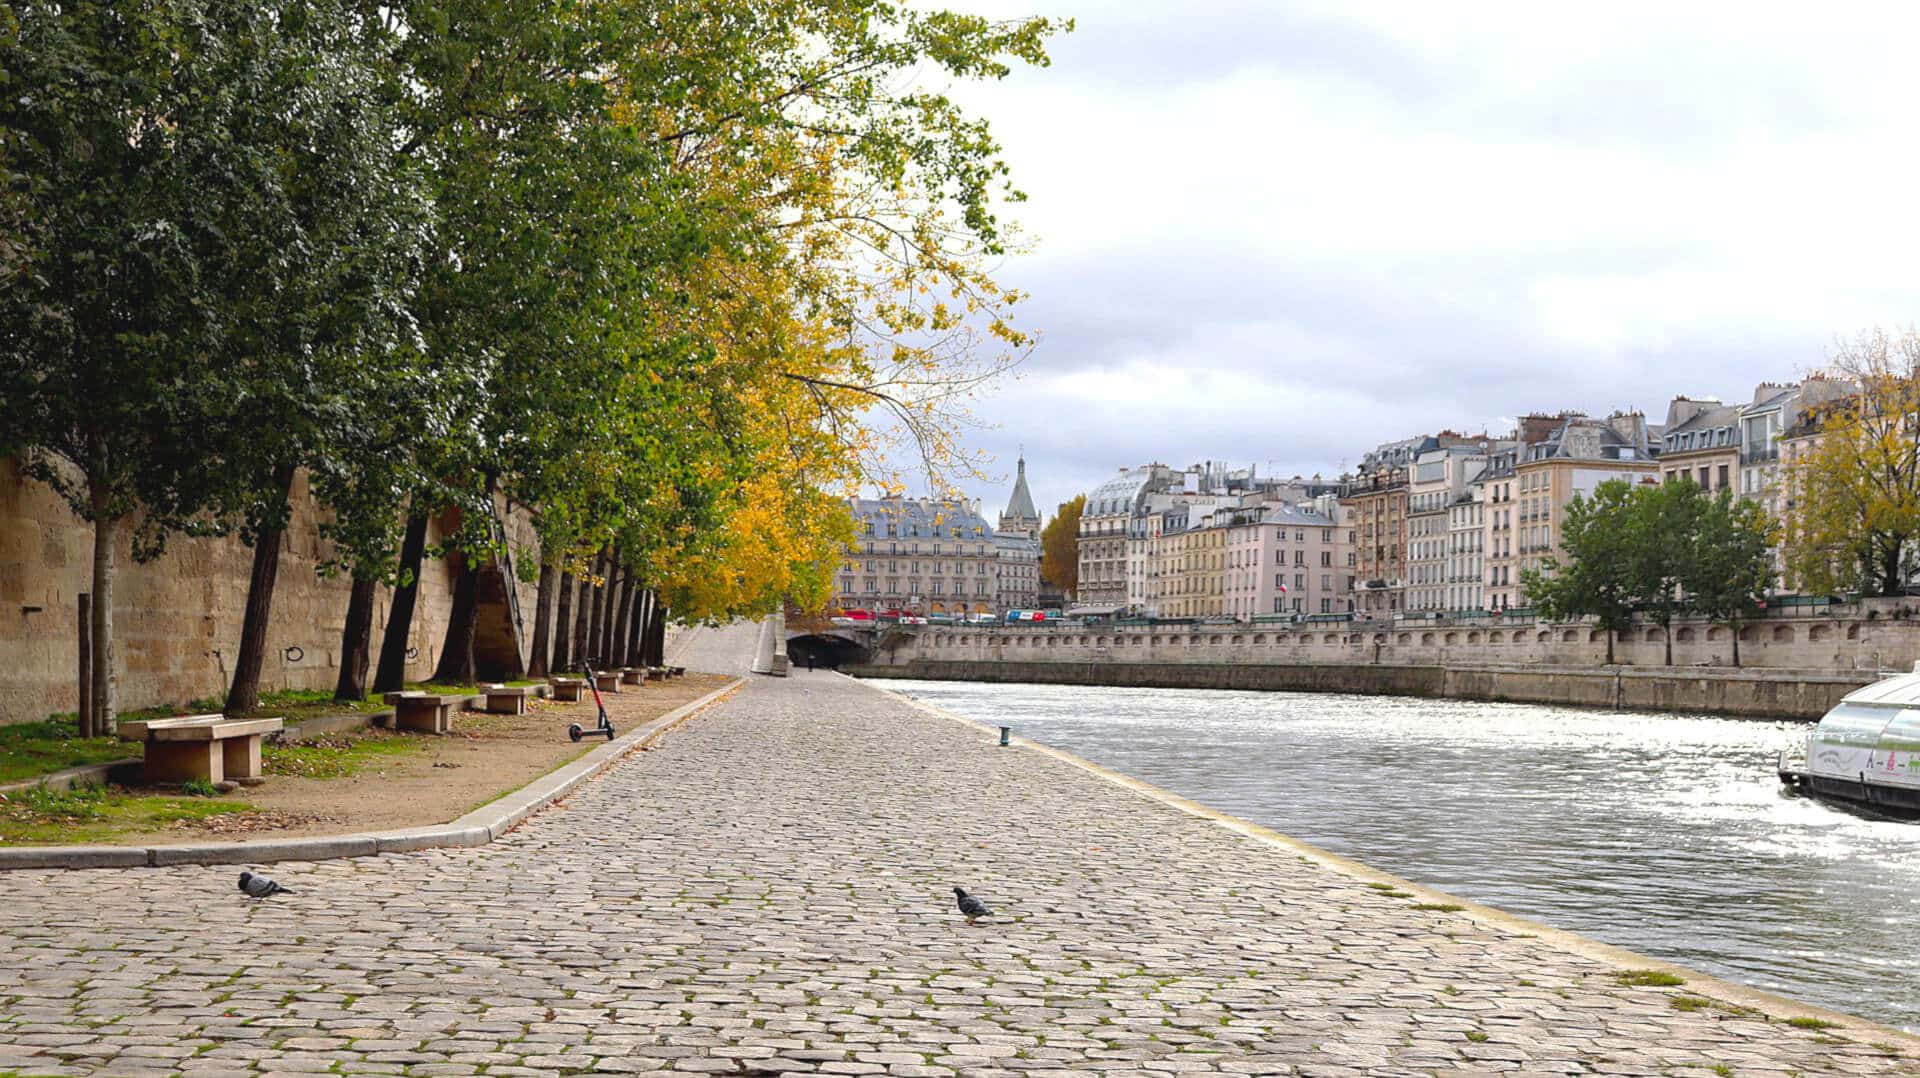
x: 1662, y: 539
x: 1601, y: 537
x: 218, y: 230
x: 1729, y: 566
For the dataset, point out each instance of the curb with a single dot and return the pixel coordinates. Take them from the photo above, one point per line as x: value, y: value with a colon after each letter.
x: 1767, y: 1003
x: 477, y: 828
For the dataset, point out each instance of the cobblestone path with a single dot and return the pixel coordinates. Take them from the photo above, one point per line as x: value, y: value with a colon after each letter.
x: 768, y: 892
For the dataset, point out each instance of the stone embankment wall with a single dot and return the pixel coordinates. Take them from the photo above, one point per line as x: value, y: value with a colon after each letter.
x: 1771, y: 694
x: 1791, y: 667
x: 177, y: 619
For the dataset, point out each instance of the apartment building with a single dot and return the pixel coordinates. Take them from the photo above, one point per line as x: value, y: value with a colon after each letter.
x: 1283, y: 559
x: 919, y: 556
x: 1440, y: 480
x: 1465, y: 569
x: 1701, y: 442
x: 1575, y: 458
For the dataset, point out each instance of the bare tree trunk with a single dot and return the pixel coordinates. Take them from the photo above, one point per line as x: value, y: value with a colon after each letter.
x: 590, y: 649
x: 83, y: 714
x: 563, y: 626
x: 622, y: 613
x: 244, y: 694
x: 392, y: 675
x: 657, y: 634
x: 1667, y: 631
x: 1609, y: 647
x: 356, y: 642
x: 636, y: 625
x: 106, y: 533
x: 542, y: 615
x: 582, y: 614
x: 456, y: 652
x: 1736, y: 643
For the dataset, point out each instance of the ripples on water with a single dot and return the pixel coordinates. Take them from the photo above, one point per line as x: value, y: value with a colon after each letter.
x: 1666, y: 834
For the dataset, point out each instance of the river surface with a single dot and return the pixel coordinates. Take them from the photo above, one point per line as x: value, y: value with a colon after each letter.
x: 1666, y: 834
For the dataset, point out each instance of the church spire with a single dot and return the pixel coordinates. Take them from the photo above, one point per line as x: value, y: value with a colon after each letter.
x: 1020, y: 515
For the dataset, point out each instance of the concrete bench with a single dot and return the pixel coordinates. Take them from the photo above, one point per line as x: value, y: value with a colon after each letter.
x: 211, y: 748
x: 422, y: 712
x: 608, y: 680
x: 632, y: 675
x: 656, y: 673
x: 567, y: 688
x: 506, y: 699
x: 676, y: 671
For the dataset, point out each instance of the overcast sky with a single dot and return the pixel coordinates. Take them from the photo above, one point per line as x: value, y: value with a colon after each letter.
x: 1279, y: 233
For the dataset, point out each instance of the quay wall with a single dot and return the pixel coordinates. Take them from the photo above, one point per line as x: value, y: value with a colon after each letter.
x: 177, y: 618
x: 1769, y: 694
x: 1792, y: 667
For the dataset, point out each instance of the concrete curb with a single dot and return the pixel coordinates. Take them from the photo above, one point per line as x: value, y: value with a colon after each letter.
x: 477, y: 828
x: 1767, y: 1003
x: 85, y: 774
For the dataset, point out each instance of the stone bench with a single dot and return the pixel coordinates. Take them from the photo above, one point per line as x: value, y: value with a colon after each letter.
x: 506, y: 699
x: 567, y: 688
x: 607, y: 680
x: 676, y: 671
x: 210, y: 748
x: 656, y: 673
x: 422, y: 712
x: 632, y: 675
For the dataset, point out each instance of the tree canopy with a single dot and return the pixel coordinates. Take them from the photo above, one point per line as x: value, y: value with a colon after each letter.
x: 1854, y: 512
x: 672, y: 277
x: 1659, y: 550
x: 1059, y: 546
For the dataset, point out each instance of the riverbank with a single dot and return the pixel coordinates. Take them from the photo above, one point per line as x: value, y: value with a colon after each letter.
x: 1770, y: 694
x: 769, y: 891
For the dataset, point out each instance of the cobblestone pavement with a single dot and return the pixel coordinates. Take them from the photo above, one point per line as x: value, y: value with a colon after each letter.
x: 768, y: 892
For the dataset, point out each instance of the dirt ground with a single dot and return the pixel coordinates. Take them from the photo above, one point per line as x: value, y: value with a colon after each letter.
x: 486, y: 756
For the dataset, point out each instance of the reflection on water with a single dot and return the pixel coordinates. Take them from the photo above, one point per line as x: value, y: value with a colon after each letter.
x: 1666, y: 834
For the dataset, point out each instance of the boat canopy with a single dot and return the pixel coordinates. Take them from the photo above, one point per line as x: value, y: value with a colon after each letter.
x: 1872, y: 735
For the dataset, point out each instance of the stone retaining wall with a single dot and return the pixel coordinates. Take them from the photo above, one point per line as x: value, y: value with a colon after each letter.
x: 1874, y: 635
x: 1745, y: 693
x: 177, y: 619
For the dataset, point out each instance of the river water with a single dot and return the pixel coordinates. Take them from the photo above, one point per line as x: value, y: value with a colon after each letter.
x: 1666, y: 834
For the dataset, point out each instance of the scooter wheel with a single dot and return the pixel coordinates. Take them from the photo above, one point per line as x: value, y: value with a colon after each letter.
x: 574, y: 731
x: 609, y: 732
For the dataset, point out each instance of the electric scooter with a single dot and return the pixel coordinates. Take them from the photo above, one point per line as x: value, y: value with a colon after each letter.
x: 576, y: 731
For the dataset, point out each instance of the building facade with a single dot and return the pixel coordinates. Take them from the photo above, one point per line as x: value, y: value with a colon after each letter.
x: 1283, y: 559
x: 1578, y: 456
x: 1701, y: 443
x: 930, y: 558
x: 919, y: 556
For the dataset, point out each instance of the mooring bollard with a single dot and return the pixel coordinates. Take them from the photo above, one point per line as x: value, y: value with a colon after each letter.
x: 1003, y: 735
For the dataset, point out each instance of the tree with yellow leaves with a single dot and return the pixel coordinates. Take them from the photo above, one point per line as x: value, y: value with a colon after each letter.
x: 1854, y: 512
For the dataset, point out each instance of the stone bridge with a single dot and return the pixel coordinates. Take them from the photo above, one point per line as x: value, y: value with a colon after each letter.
x: 832, y: 646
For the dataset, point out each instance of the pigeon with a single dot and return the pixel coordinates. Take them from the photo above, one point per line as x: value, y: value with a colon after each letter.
x: 260, y: 886
x: 970, y: 907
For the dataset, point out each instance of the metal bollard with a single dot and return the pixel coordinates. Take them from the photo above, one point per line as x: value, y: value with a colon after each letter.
x: 1003, y: 735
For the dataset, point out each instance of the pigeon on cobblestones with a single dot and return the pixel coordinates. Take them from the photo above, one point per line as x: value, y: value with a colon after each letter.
x: 260, y: 886
x: 970, y: 907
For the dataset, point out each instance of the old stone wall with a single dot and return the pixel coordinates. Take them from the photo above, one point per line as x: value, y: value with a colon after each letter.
x: 1745, y: 693
x: 177, y: 619
x: 1862, y: 638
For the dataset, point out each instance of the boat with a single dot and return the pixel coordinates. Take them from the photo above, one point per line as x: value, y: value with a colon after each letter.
x: 1867, y: 749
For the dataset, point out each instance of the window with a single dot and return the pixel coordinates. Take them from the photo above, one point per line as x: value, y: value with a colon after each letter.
x: 1723, y: 477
